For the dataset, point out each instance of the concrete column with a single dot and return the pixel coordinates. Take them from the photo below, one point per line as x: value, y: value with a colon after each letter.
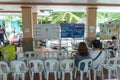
x: 91, y: 23
x: 27, y: 29
x: 35, y: 21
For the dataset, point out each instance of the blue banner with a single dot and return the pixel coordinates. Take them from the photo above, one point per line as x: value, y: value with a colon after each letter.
x: 66, y: 30
x: 78, y: 31
x: 72, y: 30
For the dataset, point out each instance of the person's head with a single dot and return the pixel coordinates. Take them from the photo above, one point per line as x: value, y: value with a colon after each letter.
x: 82, y: 49
x: 113, y: 38
x: 96, y: 43
x: 6, y: 42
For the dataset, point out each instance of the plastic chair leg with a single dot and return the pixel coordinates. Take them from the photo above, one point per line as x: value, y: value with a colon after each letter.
x: 47, y: 76
x: 40, y: 75
x: 5, y: 76
x: 55, y: 75
x: 32, y: 76
x: 71, y: 76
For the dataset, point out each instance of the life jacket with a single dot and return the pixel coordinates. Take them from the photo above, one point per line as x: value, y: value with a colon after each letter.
x: 8, y: 52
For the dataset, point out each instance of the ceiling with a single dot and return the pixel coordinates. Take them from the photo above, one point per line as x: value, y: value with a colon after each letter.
x: 13, y: 7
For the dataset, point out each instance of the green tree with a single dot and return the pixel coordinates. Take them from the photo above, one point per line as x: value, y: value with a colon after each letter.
x: 59, y: 17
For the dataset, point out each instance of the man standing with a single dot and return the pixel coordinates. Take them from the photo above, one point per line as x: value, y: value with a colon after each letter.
x: 2, y: 33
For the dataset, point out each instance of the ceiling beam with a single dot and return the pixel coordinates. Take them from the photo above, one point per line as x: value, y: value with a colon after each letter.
x: 60, y: 4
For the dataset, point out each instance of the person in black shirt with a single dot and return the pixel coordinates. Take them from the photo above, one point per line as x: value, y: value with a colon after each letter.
x: 2, y: 33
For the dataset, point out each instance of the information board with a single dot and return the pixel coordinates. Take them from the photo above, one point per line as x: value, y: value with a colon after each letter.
x: 72, y: 30
x: 107, y: 30
x: 66, y: 30
x: 78, y: 31
x: 46, y: 31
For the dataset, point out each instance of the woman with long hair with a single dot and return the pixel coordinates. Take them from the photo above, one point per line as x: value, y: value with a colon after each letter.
x: 82, y: 53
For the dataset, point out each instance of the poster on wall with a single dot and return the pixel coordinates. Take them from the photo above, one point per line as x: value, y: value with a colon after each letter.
x: 72, y: 30
x: 108, y: 30
x: 78, y: 31
x: 67, y: 30
x: 46, y: 31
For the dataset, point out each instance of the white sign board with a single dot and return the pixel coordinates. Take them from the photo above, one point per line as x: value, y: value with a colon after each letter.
x: 46, y: 31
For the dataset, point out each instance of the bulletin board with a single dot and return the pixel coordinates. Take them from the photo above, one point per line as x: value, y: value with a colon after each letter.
x: 108, y: 30
x: 72, y: 30
x: 46, y: 31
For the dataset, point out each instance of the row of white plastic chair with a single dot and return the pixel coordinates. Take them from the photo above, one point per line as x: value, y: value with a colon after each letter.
x: 44, y: 55
x: 19, y: 68
x: 112, y: 64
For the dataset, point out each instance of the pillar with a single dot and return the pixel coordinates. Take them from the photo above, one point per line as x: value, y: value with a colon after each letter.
x: 91, y: 23
x: 27, y: 29
x: 35, y: 21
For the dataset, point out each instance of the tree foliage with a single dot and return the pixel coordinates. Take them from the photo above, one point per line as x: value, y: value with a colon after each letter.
x: 60, y: 17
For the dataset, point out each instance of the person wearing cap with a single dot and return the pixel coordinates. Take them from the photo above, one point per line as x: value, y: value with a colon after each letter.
x: 2, y: 33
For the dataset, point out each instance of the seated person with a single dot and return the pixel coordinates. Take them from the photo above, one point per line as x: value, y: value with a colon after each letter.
x: 82, y: 53
x: 8, y: 50
x: 97, y: 54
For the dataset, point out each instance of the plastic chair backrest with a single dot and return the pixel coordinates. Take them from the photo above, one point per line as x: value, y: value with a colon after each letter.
x: 4, y: 67
x: 87, y: 64
x: 62, y: 55
x: 20, y: 55
x: 52, y: 55
x: 40, y: 55
x: 108, y: 53
x: 118, y: 61
x: 51, y: 65
x: 18, y: 66
x: 112, y: 62
x: 67, y: 65
x: 36, y: 65
x: 30, y: 54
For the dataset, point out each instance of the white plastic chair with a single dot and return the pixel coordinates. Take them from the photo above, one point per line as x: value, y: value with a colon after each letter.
x: 4, y: 70
x: 62, y: 55
x: 41, y: 55
x: 30, y: 54
x: 52, y: 55
x: 18, y: 68
x: 97, y: 71
x: 108, y: 53
x: 36, y: 66
x: 111, y: 65
x: 51, y: 65
x: 20, y: 55
x: 87, y: 68
x: 67, y: 66
x: 118, y: 65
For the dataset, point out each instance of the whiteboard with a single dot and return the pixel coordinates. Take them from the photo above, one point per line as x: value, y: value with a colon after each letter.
x: 46, y: 31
